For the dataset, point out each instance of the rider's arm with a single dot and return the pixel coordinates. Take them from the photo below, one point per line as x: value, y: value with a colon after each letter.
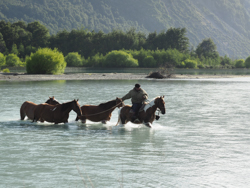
x: 127, y: 96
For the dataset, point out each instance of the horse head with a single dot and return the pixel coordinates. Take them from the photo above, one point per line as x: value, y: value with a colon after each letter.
x: 77, y: 107
x: 160, y: 103
x: 52, y: 101
x: 119, y: 102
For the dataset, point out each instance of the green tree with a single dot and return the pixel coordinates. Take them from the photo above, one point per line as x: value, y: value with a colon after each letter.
x: 149, y: 61
x: 247, y: 62
x: 73, y: 59
x: 119, y: 59
x: 14, y: 49
x: 176, y: 39
x: 46, y: 61
x: 226, y: 61
x: 191, y: 64
x: 12, y: 60
x: 240, y: 63
x: 2, y: 60
x: 2, y: 44
x: 40, y: 34
x: 207, y: 49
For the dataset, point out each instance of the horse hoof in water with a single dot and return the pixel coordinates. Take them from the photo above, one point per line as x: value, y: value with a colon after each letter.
x: 148, y: 125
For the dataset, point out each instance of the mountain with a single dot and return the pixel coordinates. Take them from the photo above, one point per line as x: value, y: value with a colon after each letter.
x: 227, y: 22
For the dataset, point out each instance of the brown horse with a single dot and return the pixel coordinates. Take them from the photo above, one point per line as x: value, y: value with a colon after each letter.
x: 146, y: 116
x: 56, y: 113
x: 28, y: 108
x: 102, y: 112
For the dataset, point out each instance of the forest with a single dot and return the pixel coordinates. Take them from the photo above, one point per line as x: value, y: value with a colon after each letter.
x: 226, y: 22
x: 81, y: 47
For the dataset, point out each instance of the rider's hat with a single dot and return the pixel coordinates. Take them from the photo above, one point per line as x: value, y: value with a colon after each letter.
x: 137, y: 85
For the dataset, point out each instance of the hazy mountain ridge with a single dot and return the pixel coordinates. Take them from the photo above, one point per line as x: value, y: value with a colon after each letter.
x: 226, y: 22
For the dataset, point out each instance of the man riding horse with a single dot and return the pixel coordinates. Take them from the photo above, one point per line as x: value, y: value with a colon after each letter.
x: 138, y: 96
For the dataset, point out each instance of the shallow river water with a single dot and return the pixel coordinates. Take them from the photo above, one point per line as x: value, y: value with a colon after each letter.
x: 202, y: 140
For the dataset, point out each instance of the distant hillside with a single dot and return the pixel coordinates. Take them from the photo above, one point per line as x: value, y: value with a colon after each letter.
x: 226, y: 22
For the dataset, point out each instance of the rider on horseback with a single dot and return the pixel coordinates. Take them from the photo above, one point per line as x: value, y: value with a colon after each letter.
x: 138, y: 96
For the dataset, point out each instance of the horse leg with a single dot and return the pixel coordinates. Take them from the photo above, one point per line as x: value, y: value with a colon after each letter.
x: 22, y: 114
x: 77, y: 118
x: 104, y: 122
x: 148, y: 124
x: 83, y: 121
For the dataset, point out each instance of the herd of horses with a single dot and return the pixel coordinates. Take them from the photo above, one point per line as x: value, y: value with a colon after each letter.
x: 55, y: 112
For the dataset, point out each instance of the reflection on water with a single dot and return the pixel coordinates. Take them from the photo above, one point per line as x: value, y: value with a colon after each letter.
x: 201, y: 141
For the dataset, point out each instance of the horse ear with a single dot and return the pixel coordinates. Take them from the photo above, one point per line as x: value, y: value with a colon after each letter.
x: 77, y: 100
x: 163, y: 96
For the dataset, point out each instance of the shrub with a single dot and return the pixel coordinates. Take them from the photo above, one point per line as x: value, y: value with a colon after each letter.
x: 94, y: 61
x: 6, y: 70
x: 149, y: 61
x: 240, y: 63
x: 190, y: 63
x: 2, y: 60
x: 73, y: 59
x: 12, y: 60
x: 247, y: 62
x: 119, y: 59
x: 45, y: 61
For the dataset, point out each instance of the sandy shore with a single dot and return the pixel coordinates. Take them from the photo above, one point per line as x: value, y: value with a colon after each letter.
x: 101, y: 76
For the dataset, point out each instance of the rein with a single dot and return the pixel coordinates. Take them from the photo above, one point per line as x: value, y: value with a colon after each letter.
x: 105, y: 110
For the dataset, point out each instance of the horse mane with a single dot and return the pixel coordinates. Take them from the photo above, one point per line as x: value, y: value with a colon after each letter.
x: 107, y: 105
x: 66, y: 105
x: 150, y: 104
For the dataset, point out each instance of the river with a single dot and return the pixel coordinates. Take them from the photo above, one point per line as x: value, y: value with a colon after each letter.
x: 202, y: 140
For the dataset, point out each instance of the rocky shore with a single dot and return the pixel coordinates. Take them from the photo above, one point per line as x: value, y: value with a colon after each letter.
x: 102, y: 76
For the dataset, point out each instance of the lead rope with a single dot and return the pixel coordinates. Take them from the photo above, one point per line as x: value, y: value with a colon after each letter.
x: 105, y: 110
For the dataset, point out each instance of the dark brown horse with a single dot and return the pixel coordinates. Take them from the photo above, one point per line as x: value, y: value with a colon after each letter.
x: 56, y: 113
x: 102, y: 112
x: 28, y: 108
x: 146, y: 116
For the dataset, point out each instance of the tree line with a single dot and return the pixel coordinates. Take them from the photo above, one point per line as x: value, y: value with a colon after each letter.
x: 81, y: 47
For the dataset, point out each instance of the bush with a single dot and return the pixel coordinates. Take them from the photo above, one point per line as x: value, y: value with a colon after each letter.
x: 6, y: 70
x: 149, y: 61
x: 94, y: 61
x: 12, y: 60
x: 2, y: 60
x: 191, y: 64
x: 247, y: 62
x: 119, y: 59
x: 240, y: 63
x: 73, y: 59
x: 45, y: 61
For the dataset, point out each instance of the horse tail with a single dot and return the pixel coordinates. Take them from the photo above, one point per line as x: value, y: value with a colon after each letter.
x: 22, y: 110
x: 119, y: 117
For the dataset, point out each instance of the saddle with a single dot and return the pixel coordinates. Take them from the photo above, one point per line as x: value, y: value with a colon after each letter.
x: 141, y: 109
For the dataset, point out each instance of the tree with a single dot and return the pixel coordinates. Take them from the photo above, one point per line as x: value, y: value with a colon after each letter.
x: 45, y: 61
x: 120, y: 59
x: 191, y: 64
x: 247, y: 62
x: 14, y: 49
x: 207, y: 49
x: 40, y: 34
x: 240, y: 63
x: 2, y: 60
x: 12, y: 60
x: 2, y: 44
x: 149, y: 61
x: 176, y: 39
x: 73, y: 59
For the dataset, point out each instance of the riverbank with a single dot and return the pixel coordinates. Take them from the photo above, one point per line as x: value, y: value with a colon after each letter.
x: 102, y: 76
